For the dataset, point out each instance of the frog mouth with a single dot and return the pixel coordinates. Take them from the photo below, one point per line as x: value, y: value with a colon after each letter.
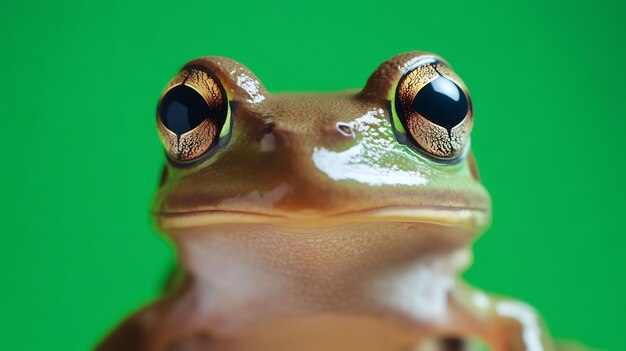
x: 466, y: 217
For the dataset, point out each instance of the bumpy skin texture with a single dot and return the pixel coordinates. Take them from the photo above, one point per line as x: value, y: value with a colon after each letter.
x: 314, y: 229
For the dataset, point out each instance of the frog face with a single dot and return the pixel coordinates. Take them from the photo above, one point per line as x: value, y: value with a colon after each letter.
x: 396, y: 151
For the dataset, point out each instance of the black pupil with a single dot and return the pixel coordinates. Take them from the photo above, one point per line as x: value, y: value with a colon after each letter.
x: 441, y: 102
x: 182, y: 109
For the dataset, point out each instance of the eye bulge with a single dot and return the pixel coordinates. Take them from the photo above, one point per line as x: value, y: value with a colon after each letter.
x: 433, y: 105
x: 193, y: 115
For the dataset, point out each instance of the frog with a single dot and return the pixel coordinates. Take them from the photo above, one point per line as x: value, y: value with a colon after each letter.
x: 323, y: 221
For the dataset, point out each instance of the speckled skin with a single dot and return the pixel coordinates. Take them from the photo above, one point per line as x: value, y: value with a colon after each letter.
x: 314, y: 229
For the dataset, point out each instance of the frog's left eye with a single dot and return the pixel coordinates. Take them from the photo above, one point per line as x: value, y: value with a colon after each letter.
x: 433, y: 104
x: 193, y: 115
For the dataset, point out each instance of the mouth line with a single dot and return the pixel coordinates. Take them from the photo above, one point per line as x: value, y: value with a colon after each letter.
x: 435, y: 214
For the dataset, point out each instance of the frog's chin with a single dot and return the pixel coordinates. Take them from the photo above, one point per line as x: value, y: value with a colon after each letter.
x: 474, y: 219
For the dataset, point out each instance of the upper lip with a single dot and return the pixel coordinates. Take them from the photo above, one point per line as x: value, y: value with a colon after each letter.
x: 321, y: 213
x: 447, y: 215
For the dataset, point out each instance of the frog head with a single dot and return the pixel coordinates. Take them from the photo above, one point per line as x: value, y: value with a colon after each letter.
x: 395, y: 154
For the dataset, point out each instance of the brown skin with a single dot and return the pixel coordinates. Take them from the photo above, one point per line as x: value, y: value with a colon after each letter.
x: 284, y: 245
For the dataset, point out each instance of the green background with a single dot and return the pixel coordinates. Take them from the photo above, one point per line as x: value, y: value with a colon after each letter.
x: 81, y: 157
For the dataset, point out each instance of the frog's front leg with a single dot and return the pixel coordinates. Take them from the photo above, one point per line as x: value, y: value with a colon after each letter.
x: 162, y: 323
x: 504, y: 324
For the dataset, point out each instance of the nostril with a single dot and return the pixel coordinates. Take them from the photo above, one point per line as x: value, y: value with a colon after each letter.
x: 345, y: 129
x: 266, y: 129
x: 266, y: 137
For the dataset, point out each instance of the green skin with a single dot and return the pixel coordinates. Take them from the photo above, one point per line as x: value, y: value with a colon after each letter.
x: 313, y: 223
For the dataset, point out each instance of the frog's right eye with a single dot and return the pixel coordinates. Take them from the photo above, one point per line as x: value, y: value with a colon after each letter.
x: 432, y: 111
x: 193, y: 116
